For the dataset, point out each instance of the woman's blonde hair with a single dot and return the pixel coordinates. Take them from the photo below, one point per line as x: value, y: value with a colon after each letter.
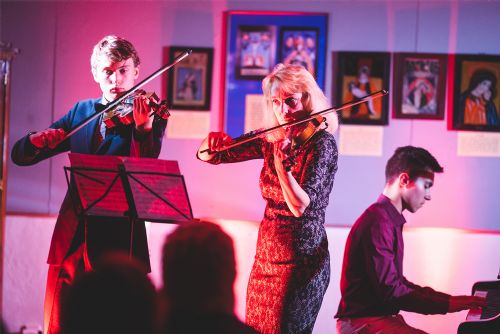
x: 291, y: 79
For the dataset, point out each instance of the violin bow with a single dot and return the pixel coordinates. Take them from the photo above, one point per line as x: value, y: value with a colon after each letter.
x: 113, y: 104
x: 260, y: 133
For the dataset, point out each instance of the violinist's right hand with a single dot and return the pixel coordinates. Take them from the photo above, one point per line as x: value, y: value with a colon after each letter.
x: 212, y: 144
x: 48, y: 138
x: 217, y: 140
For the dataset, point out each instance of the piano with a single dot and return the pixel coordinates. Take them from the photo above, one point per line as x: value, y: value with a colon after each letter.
x: 487, y: 319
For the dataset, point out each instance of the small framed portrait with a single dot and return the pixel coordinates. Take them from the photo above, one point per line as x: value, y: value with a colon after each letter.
x: 190, y: 81
x: 476, y: 93
x: 299, y: 46
x: 359, y: 74
x: 255, y: 51
x: 419, y: 85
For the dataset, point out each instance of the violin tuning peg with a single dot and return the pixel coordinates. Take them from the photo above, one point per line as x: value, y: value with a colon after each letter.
x: 154, y: 96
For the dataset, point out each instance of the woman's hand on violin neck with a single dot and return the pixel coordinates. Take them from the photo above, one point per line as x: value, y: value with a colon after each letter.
x: 296, y: 198
x: 48, y: 138
x: 281, y: 153
x: 143, y: 121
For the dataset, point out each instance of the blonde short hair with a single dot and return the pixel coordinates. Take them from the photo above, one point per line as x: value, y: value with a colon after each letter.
x: 115, y: 48
x: 291, y: 79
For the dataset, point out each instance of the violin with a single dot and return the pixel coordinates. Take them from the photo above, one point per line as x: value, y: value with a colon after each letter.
x: 259, y: 133
x: 302, y: 137
x: 308, y: 131
x: 123, y: 114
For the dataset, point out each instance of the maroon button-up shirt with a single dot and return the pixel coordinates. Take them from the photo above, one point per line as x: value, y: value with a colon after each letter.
x: 372, y: 281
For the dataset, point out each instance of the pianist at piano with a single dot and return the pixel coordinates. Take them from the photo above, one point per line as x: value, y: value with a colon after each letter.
x: 373, y: 286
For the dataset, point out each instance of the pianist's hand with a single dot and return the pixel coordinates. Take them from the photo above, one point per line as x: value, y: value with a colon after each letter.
x: 459, y: 303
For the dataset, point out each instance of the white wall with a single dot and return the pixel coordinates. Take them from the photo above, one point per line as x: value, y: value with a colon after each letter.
x: 448, y: 260
x: 52, y: 72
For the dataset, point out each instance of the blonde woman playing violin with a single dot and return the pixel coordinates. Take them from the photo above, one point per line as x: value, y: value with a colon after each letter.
x: 291, y: 271
x: 115, y: 67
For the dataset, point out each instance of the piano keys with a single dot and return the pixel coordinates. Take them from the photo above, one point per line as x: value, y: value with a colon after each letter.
x: 487, y: 319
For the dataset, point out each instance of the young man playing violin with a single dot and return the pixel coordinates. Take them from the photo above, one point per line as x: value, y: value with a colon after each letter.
x: 76, y: 245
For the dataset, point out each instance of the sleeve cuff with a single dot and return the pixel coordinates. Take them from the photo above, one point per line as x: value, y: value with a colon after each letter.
x: 29, y: 148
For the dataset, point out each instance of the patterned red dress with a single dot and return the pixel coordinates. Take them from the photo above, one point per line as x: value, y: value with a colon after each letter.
x: 291, y: 271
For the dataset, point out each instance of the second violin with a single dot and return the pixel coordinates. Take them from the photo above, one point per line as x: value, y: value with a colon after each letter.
x: 113, y: 104
x: 123, y: 113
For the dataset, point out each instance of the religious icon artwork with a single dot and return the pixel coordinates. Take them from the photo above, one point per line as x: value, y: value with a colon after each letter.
x: 255, y: 51
x: 419, y: 85
x: 476, y: 98
x: 299, y: 46
x: 360, y: 74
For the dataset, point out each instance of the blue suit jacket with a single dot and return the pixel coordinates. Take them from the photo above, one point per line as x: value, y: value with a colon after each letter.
x: 102, y: 233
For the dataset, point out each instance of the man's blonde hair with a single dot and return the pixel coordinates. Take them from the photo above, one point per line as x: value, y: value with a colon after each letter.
x: 115, y: 48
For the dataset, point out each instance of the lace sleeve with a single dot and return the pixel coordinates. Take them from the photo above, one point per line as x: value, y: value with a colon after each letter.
x: 248, y: 151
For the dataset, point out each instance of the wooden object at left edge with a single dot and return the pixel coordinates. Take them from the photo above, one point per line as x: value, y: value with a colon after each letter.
x: 7, y: 54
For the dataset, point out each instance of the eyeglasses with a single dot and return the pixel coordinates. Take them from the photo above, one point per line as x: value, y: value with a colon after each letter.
x: 291, y: 101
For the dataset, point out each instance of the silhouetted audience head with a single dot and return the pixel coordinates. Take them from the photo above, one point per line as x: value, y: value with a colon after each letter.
x: 3, y: 328
x: 117, y: 297
x: 198, y: 276
x: 199, y: 268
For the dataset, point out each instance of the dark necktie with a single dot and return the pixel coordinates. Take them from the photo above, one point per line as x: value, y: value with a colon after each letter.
x: 98, y: 138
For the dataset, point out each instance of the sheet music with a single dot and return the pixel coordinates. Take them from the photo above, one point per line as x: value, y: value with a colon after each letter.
x: 164, y: 179
x: 158, y: 190
x: 93, y: 184
x: 151, y: 165
x: 160, y: 196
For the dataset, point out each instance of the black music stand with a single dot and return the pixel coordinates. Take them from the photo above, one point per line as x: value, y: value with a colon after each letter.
x: 132, y: 188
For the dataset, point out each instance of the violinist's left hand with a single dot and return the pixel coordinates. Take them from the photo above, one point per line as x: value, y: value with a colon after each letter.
x: 281, y: 153
x: 142, y: 109
x: 296, y: 198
